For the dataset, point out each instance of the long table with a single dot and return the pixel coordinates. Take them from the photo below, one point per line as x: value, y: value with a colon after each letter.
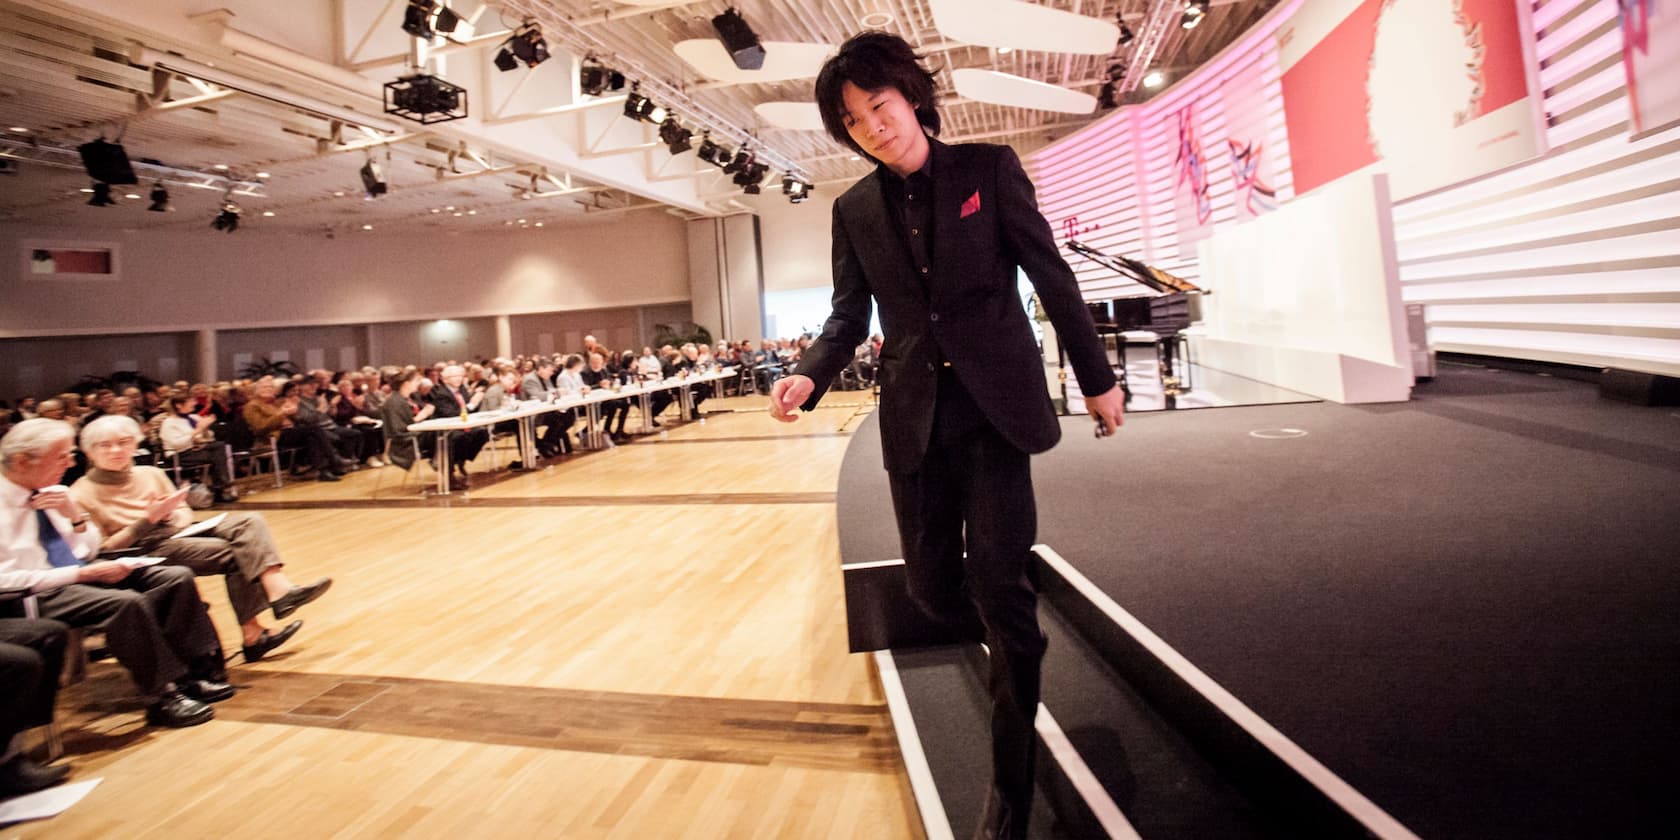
x: 526, y: 412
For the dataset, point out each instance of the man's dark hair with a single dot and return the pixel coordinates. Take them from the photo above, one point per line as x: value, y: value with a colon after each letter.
x: 874, y: 61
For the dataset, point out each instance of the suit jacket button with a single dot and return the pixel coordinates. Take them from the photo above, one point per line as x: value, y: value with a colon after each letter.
x: 934, y: 317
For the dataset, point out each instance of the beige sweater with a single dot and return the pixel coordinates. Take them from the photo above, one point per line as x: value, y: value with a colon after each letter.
x: 117, y: 502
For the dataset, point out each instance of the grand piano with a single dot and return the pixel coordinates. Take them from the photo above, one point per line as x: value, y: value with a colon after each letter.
x: 1177, y: 306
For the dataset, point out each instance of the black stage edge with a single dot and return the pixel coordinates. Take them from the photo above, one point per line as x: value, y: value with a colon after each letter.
x: 1464, y: 606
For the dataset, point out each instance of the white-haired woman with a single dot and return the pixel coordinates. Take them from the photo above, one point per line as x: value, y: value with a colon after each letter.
x: 136, y: 506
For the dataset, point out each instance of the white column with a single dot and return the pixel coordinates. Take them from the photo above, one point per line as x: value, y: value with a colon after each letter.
x: 504, y: 337
x: 206, y: 346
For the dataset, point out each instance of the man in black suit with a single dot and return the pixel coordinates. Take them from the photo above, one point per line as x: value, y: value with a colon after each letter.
x: 454, y: 399
x: 935, y: 236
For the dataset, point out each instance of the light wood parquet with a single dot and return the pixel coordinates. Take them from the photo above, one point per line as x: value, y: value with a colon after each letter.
x: 579, y: 670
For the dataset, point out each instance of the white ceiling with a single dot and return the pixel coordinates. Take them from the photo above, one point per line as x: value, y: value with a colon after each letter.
x: 72, y: 70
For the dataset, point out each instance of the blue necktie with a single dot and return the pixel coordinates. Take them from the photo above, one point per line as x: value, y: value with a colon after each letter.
x: 58, y: 551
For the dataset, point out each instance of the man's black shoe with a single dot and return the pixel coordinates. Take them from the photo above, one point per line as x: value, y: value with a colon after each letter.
x: 327, y: 476
x: 298, y: 596
x: 205, y: 691
x: 21, y: 775
x: 270, y: 640
x: 178, y: 710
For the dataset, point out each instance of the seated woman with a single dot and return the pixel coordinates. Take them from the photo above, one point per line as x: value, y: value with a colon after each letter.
x: 191, y: 437
x: 401, y: 409
x: 138, y: 507
x: 350, y: 411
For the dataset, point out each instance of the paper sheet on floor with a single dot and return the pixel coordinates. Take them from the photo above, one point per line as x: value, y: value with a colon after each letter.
x: 45, y: 803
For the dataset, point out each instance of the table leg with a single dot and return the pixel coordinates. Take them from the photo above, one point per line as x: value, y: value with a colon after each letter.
x: 645, y: 400
x: 440, y: 461
x: 528, y: 442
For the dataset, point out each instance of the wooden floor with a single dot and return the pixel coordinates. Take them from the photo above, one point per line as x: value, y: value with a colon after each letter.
x: 643, y: 642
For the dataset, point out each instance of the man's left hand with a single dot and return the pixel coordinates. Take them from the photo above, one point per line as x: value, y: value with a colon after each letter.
x: 55, y: 497
x: 1108, y: 409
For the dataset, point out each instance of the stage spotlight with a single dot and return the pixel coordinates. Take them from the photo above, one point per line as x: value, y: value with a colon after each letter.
x: 101, y: 195
x: 1109, y: 98
x: 795, y: 189
x: 674, y: 136
x: 711, y: 152
x: 227, y: 220
x: 592, y: 79
x: 417, y: 18
x: 1126, y: 34
x: 739, y: 162
x: 446, y: 21
x: 160, y: 200
x: 373, y: 181
x: 1193, y: 14
x: 637, y: 106
x: 505, y: 60
x: 425, y: 99
x: 751, y: 176
x: 528, y: 45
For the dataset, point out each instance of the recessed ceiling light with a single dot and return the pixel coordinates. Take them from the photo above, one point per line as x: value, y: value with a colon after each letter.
x: 436, y: 210
x: 472, y: 212
x: 450, y: 207
x: 131, y: 195
x: 876, y: 20
x: 459, y: 213
x: 220, y: 167
x: 1005, y: 50
x: 367, y: 227
x: 522, y: 221
x: 268, y: 214
x: 262, y: 174
x: 856, y: 157
x: 1153, y: 80
x: 507, y: 223
x: 20, y: 129
x: 539, y: 224
x: 338, y: 193
x: 87, y: 189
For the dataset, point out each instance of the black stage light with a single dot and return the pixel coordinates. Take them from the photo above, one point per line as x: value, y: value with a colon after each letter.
x: 710, y: 152
x: 101, y: 195
x: 1126, y: 35
x: 1193, y: 14
x: 1109, y: 97
x: 739, y: 162
x: 446, y: 20
x: 107, y: 162
x: 528, y: 45
x: 417, y: 18
x: 227, y: 220
x: 160, y: 200
x: 674, y: 136
x: 425, y: 99
x: 505, y: 60
x: 637, y: 106
x: 373, y: 181
x: 739, y: 39
x: 796, y: 190
x: 593, y: 78
x: 615, y: 81
x: 751, y: 176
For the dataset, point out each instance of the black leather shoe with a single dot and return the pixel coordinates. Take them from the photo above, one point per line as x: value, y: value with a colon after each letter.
x: 327, y: 476
x: 205, y: 691
x: 20, y: 775
x: 298, y: 596
x: 270, y: 640
x: 999, y: 821
x: 178, y: 710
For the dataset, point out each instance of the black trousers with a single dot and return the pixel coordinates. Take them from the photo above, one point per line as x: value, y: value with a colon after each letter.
x: 31, y: 658
x: 217, y: 456
x: 974, y: 492
x: 155, y: 624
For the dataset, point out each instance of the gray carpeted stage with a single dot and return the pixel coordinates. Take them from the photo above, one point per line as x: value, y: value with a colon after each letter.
x: 1467, y: 606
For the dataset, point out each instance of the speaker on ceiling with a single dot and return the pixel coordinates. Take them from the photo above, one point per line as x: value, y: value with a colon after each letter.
x: 107, y: 162
x: 739, y: 39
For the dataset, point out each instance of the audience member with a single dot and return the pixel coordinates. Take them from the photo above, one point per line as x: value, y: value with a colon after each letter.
x: 191, y: 438
x: 138, y: 507
x: 31, y: 658
x: 453, y: 399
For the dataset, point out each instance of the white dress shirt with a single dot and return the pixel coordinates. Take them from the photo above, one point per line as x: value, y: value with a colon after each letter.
x: 23, y: 562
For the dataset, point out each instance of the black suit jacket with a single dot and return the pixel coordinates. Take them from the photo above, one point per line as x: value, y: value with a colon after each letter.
x: 966, y: 310
x: 447, y: 405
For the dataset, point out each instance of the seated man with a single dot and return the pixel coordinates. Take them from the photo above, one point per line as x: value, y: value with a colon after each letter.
x: 352, y: 409
x: 314, y: 412
x: 31, y: 658
x: 155, y: 624
x: 191, y: 437
x: 138, y: 507
x: 597, y: 376
x: 454, y: 400
x: 539, y: 385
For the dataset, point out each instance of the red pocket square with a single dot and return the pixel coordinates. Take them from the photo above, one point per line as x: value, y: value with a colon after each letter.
x: 971, y: 206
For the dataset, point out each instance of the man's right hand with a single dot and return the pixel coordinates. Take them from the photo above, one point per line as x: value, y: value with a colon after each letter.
x: 788, y: 394
x: 102, y: 571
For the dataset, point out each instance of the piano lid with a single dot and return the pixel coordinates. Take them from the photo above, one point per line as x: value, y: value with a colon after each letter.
x: 1135, y: 271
